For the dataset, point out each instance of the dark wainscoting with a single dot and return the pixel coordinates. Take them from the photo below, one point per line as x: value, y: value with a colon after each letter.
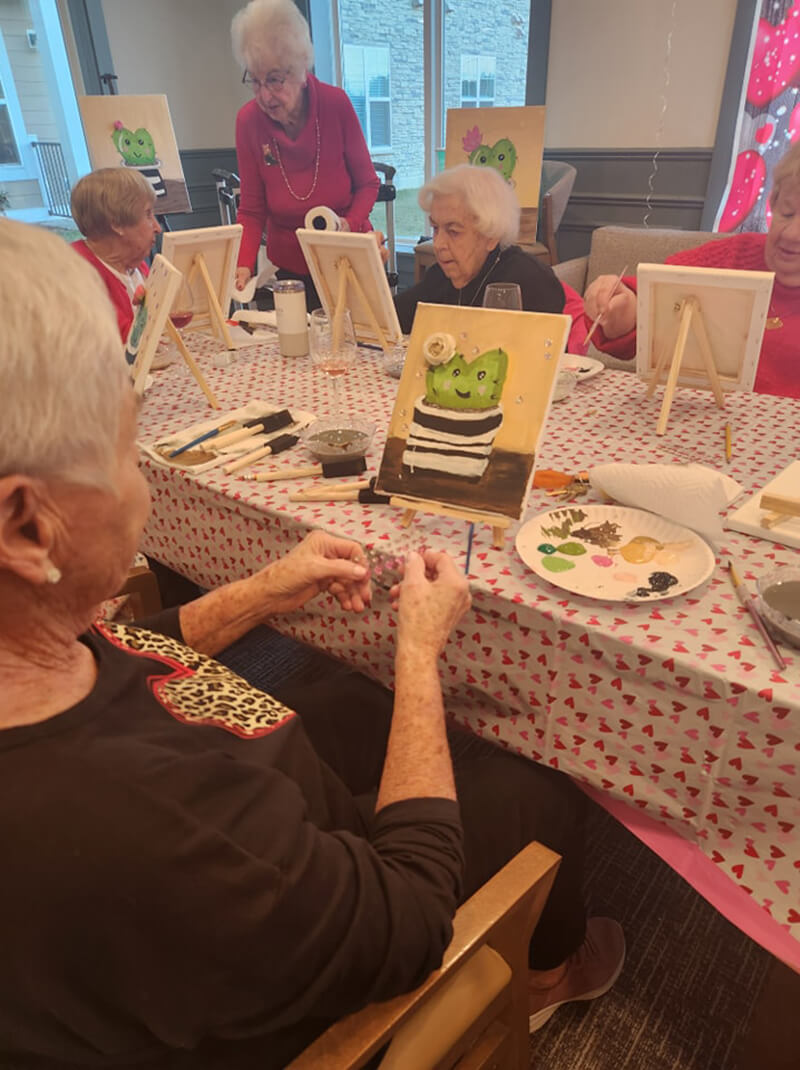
x: 197, y: 167
x: 611, y: 188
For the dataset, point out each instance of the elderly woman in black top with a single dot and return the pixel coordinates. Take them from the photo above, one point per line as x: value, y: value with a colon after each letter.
x: 194, y: 874
x: 474, y: 214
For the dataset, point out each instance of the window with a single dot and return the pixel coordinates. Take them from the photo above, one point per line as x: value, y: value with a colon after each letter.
x: 366, y: 82
x: 9, y: 153
x: 477, y: 81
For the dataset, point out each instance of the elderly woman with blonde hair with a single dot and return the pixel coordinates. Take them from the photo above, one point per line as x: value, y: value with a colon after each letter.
x: 299, y: 143
x: 474, y: 215
x: 114, y: 210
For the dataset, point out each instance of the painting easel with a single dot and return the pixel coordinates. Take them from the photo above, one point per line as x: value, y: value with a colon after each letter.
x: 214, y: 313
x: 702, y: 326
x: 691, y: 317
x: 412, y: 506
x: 348, y: 273
x: 347, y: 277
x: 175, y: 336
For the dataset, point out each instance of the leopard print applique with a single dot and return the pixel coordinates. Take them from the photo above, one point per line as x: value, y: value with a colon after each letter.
x: 199, y: 690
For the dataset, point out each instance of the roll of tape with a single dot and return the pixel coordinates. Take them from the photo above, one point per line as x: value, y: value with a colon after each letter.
x: 322, y: 218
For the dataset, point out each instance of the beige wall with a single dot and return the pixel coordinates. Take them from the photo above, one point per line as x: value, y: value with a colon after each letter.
x: 26, y: 66
x: 605, y: 73
x: 181, y: 48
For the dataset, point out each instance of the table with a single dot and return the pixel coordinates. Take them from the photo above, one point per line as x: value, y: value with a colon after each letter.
x: 671, y: 713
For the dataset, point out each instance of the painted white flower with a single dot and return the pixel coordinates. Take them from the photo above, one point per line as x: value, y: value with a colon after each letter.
x: 438, y: 348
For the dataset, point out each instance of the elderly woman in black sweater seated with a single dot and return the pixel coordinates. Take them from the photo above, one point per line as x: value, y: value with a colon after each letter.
x: 474, y: 214
x: 194, y: 874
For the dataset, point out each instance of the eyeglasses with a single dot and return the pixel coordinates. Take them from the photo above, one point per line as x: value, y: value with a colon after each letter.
x: 273, y: 82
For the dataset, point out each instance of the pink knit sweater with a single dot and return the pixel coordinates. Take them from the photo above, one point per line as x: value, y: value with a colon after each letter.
x: 779, y: 365
x: 346, y: 179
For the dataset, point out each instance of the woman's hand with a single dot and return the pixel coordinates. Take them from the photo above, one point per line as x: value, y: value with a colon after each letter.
x: 321, y: 562
x: 242, y: 277
x: 430, y: 600
x: 618, y: 311
x: 381, y: 240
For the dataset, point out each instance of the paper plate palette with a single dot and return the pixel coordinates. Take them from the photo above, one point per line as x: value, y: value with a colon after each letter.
x: 614, y: 553
x: 584, y: 367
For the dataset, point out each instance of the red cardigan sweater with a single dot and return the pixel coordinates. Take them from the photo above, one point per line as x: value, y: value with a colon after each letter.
x: 346, y: 180
x: 779, y: 366
x: 117, y: 291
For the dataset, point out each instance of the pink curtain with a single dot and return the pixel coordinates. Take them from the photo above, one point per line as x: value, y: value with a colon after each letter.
x: 770, y: 118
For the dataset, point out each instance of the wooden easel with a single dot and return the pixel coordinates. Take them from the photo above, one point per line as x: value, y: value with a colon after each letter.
x: 214, y: 310
x: 691, y: 318
x: 347, y: 277
x: 191, y: 363
x: 412, y: 506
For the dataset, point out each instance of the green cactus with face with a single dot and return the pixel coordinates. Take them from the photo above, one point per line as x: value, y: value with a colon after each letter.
x: 477, y: 385
x: 502, y: 156
x: 136, y: 147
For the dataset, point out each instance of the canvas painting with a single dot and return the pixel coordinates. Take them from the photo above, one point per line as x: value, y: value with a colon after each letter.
x: 152, y: 308
x: 136, y: 131
x: 472, y: 403
x: 509, y: 139
x: 734, y: 306
x: 366, y: 292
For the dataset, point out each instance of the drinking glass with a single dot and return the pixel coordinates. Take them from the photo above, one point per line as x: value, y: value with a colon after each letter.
x: 181, y: 315
x: 502, y: 295
x: 333, y: 355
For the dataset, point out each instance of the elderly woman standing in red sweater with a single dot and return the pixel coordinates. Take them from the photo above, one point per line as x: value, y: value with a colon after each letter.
x: 298, y: 142
x: 778, y: 251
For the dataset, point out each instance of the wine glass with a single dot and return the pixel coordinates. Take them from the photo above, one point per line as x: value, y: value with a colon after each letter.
x: 180, y: 315
x: 333, y: 349
x: 502, y: 295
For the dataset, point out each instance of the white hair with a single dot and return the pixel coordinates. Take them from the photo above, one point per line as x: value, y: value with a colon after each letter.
x: 63, y: 375
x: 488, y: 198
x: 272, y: 35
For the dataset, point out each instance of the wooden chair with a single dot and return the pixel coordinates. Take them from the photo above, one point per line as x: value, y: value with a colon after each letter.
x: 473, y: 1012
x: 142, y: 588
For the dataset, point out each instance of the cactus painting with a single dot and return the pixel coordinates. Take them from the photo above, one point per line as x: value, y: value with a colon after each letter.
x: 136, y: 132
x: 472, y: 401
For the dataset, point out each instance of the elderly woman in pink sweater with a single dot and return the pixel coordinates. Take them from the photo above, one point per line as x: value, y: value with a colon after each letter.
x: 299, y: 143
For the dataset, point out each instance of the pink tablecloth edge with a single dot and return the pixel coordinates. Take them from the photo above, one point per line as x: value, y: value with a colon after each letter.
x: 705, y: 877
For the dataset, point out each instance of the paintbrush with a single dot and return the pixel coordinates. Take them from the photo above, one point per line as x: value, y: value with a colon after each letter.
x: 749, y: 603
x: 362, y: 490
x: 201, y: 438
x: 350, y: 466
x: 282, y: 442
x: 602, y: 313
x: 259, y: 425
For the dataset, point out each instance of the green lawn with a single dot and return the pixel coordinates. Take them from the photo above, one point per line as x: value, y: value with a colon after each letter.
x: 409, y: 219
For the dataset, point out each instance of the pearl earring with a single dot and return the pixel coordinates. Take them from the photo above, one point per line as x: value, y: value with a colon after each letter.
x: 53, y: 574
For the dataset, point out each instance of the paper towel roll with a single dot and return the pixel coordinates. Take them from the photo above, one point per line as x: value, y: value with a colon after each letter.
x: 322, y: 218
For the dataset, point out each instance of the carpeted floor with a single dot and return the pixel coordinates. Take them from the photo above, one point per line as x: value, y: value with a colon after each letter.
x: 691, y: 980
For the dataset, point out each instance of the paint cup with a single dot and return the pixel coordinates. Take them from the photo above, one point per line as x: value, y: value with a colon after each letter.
x: 290, y: 313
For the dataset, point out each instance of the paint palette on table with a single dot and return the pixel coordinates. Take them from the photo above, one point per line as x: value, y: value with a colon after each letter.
x: 614, y: 553
x: 583, y: 367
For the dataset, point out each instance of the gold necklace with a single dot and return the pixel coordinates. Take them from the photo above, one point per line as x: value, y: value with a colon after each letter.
x: 297, y: 196
x: 483, y: 280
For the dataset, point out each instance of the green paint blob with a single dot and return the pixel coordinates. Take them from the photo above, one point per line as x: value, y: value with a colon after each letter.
x: 546, y: 548
x: 557, y: 564
x: 574, y: 549
x: 477, y: 385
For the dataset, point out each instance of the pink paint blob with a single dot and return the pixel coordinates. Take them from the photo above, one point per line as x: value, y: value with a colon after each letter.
x: 625, y: 577
x: 602, y: 561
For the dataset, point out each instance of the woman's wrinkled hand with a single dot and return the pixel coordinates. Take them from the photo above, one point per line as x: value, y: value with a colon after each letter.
x: 430, y: 600
x: 242, y: 277
x: 320, y: 563
x: 618, y: 307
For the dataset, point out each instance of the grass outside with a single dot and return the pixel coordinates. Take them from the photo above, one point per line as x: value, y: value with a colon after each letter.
x: 66, y: 230
x: 409, y: 219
